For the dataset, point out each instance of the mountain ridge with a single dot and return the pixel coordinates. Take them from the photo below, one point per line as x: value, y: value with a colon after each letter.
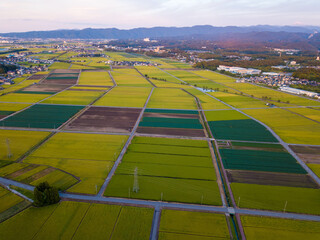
x: 157, y: 32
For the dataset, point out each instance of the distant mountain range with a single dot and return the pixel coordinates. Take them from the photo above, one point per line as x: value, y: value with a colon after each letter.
x: 304, y: 38
x: 203, y: 31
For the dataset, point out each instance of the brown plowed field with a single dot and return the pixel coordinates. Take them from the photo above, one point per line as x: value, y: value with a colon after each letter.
x: 172, y: 131
x: 60, y: 81
x: 309, y: 154
x: 105, y: 119
x: 270, y: 178
x: 45, y: 88
x: 37, y: 76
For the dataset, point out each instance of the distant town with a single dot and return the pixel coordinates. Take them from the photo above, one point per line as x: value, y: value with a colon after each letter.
x: 15, y: 53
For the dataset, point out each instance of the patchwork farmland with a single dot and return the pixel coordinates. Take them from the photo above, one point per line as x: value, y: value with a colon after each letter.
x: 147, y: 152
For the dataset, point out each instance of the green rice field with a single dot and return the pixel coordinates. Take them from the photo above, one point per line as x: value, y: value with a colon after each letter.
x: 290, y: 127
x: 167, y: 180
x: 87, y: 156
x: 171, y: 99
x: 278, y: 229
x: 176, y: 225
x: 74, y: 97
x: 76, y: 220
x: 95, y: 78
x: 277, y: 198
x: 202, y: 140
x: 125, y: 97
x: 19, y: 142
x: 42, y: 116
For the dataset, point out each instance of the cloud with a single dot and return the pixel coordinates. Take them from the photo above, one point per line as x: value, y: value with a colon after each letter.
x: 44, y: 14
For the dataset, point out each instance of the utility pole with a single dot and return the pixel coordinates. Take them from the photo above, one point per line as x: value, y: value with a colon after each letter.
x: 285, y: 206
x: 9, y: 153
x: 239, y: 202
x: 135, y: 181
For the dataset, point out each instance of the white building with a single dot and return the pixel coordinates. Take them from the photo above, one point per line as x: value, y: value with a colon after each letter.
x: 239, y: 70
x: 298, y: 91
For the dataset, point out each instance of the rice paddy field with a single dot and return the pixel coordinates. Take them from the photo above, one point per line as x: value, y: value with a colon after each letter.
x: 277, y: 198
x: 129, y: 78
x: 95, y: 78
x: 16, y: 87
x: 76, y: 220
x: 278, y: 229
x: 9, y: 108
x: 233, y: 125
x: 171, y: 99
x: 239, y: 101
x: 167, y: 180
x: 207, y: 102
x: 19, y: 143
x: 59, y: 65
x: 23, y: 97
x: 89, y: 157
x: 34, y: 174
x: 290, y: 127
x: 157, y: 74
x: 176, y: 225
x: 171, y: 122
x: 74, y: 128
x: 41, y: 116
x: 74, y: 97
x: 311, y: 113
x: 125, y: 97
x: 8, y: 200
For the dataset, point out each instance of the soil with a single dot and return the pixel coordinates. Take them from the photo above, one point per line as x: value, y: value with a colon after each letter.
x: 271, y: 178
x: 106, y: 119
x: 37, y: 76
x: 309, y: 154
x: 45, y: 88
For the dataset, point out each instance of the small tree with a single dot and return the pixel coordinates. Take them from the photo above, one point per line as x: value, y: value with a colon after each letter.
x: 44, y: 194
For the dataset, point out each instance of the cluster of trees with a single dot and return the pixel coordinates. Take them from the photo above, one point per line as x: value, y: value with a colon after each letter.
x: 4, y: 68
x: 44, y: 194
x: 311, y: 74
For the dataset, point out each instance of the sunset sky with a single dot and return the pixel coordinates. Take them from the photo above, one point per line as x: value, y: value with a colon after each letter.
x: 27, y: 15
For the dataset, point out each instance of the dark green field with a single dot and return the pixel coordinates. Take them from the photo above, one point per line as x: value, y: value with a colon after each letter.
x: 42, y: 116
x: 243, y: 130
x: 260, y: 161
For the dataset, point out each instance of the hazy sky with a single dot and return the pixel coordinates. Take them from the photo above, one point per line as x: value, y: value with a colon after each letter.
x: 26, y: 15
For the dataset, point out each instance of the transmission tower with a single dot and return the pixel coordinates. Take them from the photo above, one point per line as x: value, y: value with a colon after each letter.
x: 9, y: 153
x: 135, y: 181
